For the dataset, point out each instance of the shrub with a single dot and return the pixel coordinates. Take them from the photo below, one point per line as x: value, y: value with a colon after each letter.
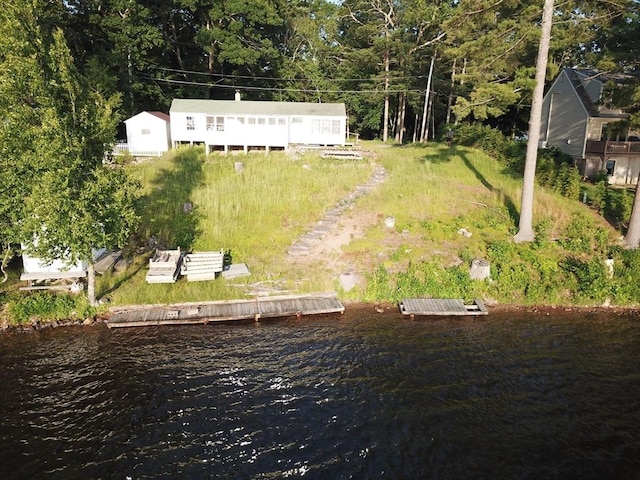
x: 593, y: 282
x: 49, y: 307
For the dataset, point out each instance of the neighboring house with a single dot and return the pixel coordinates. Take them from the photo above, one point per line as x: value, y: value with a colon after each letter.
x: 227, y: 125
x: 574, y: 120
x: 148, y: 135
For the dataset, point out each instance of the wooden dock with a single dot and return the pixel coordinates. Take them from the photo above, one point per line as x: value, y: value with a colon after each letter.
x: 441, y: 306
x: 224, y: 311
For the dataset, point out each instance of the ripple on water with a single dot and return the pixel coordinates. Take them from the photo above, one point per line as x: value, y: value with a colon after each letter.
x: 357, y: 396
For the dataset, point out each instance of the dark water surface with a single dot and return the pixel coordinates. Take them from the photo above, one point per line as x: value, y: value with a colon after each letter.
x: 508, y: 396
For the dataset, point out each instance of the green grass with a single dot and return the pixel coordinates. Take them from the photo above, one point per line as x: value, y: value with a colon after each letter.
x: 432, y: 191
x: 255, y: 214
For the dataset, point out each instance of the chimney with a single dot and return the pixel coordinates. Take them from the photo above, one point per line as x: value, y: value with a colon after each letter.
x: 237, y: 96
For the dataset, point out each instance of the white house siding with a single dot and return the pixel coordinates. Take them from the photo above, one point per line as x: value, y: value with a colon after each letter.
x: 223, y: 125
x: 148, y: 133
x: 188, y: 127
x: 37, y: 265
x: 317, y: 130
x: 625, y: 171
x: 247, y: 131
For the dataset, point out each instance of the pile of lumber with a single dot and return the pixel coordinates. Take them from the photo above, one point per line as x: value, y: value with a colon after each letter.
x: 202, y: 265
x: 164, y: 266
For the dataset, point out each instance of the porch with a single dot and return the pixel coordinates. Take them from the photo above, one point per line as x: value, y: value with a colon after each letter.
x: 606, y: 148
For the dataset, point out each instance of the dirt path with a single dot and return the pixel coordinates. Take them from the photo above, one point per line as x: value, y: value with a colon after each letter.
x: 323, y: 245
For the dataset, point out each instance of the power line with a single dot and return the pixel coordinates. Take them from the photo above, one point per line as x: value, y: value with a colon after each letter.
x: 277, y: 89
x: 284, y: 79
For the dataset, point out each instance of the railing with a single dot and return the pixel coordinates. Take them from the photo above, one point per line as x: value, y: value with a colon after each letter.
x: 123, y: 149
x: 607, y: 147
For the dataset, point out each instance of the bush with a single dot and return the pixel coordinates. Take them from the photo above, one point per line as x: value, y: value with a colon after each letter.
x: 593, y: 282
x: 49, y: 307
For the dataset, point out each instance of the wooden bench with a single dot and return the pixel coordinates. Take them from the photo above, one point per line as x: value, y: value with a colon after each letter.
x: 202, y: 265
x: 164, y: 267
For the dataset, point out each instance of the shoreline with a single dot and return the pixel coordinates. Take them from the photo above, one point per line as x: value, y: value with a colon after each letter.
x: 358, y: 308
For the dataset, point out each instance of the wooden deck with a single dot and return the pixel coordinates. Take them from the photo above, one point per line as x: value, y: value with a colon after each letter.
x: 441, y: 306
x: 204, y: 313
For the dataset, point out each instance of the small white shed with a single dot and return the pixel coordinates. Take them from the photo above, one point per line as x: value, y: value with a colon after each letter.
x: 148, y: 134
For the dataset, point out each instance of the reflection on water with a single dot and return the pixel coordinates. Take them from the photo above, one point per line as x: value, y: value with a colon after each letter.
x: 358, y: 396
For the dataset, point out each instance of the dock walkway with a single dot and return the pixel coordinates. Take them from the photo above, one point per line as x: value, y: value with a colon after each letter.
x: 441, y: 306
x: 223, y: 311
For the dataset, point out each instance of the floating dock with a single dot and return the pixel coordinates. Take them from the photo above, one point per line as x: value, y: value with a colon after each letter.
x: 441, y: 306
x: 224, y: 311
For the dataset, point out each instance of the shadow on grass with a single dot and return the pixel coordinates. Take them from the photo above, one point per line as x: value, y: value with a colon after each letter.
x: 440, y: 153
x: 514, y: 215
x: 169, y: 213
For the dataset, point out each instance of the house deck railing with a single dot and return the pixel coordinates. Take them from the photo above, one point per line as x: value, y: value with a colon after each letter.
x: 608, y: 147
x: 124, y: 149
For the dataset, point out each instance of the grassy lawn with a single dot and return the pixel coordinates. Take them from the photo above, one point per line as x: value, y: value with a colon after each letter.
x: 255, y: 214
x: 450, y: 206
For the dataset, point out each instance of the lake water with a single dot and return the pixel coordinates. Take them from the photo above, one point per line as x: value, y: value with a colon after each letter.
x: 363, y: 395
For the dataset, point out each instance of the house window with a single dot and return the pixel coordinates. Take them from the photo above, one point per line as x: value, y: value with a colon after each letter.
x: 316, y: 126
x: 296, y: 120
x: 215, y: 124
x: 335, y: 127
x: 282, y: 121
x: 251, y: 120
x: 611, y: 167
x: 145, y: 131
x: 272, y: 121
x: 241, y: 120
x: 262, y: 121
x: 191, y: 123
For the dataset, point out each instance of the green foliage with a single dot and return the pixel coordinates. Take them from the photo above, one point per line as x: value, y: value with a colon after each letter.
x: 619, y: 205
x: 582, y: 235
x: 493, y: 142
x: 592, y: 280
x: 598, y: 197
x: 626, y: 281
x: 555, y: 170
x: 49, y: 307
x: 420, y: 279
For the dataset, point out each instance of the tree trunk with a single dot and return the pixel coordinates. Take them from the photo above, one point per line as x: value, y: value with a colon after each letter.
x: 91, y: 285
x: 452, y: 86
x: 632, y: 238
x: 385, y: 128
x: 402, y: 103
x: 525, y: 226
x: 423, y: 133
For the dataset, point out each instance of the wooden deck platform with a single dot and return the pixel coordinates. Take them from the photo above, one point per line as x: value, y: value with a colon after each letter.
x: 441, y: 306
x: 204, y: 313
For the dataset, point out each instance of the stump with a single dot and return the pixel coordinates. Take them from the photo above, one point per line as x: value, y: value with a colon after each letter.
x: 480, y: 270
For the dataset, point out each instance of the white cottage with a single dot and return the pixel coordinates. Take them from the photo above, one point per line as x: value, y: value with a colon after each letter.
x: 224, y: 125
x: 148, y: 134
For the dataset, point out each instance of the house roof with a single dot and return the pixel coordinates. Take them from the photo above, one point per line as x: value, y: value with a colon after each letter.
x: 578, y: 77
x: 162, y: 116
x: 248, y: 107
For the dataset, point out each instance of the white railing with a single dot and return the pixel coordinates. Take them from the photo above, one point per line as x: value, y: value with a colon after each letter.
x: 124, y: 149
